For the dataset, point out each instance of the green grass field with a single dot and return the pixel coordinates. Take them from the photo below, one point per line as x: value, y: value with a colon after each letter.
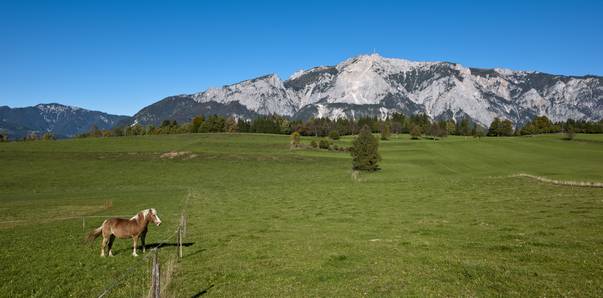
x: 441, y: 218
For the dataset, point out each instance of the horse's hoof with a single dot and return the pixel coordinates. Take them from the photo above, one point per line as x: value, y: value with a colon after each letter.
x: 135, y: 255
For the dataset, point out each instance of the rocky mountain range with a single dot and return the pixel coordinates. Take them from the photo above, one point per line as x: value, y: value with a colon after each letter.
x: 366, y: 85
x: 377, y: 86
x: 64, y: 121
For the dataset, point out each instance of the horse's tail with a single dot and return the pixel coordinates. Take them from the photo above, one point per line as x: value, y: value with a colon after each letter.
x: 95, y: 233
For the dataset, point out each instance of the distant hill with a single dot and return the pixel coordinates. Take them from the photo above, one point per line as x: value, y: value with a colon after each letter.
x: 64, y: 121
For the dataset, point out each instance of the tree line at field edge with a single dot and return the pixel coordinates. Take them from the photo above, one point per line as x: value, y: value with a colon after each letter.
x: 417, y: 125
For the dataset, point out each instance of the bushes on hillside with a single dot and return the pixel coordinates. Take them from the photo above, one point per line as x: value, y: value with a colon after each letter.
x: 415, y: 132
x: 581, y: 126
x: 32, y: 136
x: 333, y: 135
x: 463, y: 127
x: 570, y: 133
x: 365, y: 151
x: 500, y: 128
x: 230, y: 125
x: 48, y: 136
x: 295, y: 139
x: 539, y: 125
x: 438, y: 130
x: 478, y: 132
x: 324, y: 144
x: 196, y: 123
x: 385, y: 131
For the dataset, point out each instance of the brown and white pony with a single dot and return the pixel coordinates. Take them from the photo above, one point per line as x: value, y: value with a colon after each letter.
x: 125, y: 228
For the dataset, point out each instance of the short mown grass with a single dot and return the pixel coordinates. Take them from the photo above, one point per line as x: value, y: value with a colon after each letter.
x: 441, y: 218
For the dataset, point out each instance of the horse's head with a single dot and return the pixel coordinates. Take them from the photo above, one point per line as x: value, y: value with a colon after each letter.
x: 152, y: 215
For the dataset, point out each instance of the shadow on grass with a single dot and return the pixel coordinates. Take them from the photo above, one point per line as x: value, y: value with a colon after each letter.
x: 202, y: 292
x: 162, y: 245
x: 196, y: 252
x: 149, y: 246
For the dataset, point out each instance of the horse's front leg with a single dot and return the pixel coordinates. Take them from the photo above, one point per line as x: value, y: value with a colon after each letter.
x: 143, y: 236
x: 134, y: 239
x: 110, y: 245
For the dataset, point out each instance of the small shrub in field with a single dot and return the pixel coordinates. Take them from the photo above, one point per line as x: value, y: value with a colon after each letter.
x: 570, y: 133
x: 324, y: 144
x: 415, y: 132
x: 32, y: 136
x: 314, y: 144
x: 333, y: 135
x: 48, y: 136
x: 231, y: 125
x: 478, y: 132
x: 365, y: 151
x: 434, y: 131
x: 385, y: 132
x: 295, y: 139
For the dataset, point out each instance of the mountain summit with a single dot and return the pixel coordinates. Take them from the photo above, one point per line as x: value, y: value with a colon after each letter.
x: 371, y: 85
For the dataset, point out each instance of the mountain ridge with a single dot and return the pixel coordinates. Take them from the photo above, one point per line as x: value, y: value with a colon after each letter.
x: 371, y: 85
x: 62, y: 120
x: 365, y: 85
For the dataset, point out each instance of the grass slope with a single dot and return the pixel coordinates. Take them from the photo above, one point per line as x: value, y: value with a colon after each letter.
x: 441, y: 218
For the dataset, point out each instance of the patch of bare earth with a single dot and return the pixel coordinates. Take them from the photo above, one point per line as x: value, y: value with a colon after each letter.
x: 178, y: 154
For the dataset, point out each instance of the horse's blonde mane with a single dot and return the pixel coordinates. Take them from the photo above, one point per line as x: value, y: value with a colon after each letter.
x: 144, y: 213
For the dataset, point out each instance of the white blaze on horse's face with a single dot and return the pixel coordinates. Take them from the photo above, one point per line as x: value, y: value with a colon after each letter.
x: 154, y: 216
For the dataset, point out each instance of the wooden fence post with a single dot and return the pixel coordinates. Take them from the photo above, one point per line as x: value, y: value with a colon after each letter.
x: 155, y: 277
x: 180, y: 242
x: 185, y: 223
x: 181, y: 233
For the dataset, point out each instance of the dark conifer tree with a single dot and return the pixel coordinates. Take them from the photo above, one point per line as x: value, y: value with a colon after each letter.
x: 365, y: 151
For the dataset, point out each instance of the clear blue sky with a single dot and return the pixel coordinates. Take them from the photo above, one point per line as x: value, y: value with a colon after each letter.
x: 119, y: 56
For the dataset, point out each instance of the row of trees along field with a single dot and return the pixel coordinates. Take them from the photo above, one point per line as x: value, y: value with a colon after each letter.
x: 320, y: 127
x: 31, y: 136
x: 416, y: 125
x: 542, y: 125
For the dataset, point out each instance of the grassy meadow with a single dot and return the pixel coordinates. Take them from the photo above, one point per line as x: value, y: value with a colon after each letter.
x: 442, y: 218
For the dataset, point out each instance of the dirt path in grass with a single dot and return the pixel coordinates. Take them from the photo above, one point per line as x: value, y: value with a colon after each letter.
x: 561, y: 182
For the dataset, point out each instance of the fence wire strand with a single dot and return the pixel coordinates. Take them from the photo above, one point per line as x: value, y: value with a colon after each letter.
x: 114, y: 283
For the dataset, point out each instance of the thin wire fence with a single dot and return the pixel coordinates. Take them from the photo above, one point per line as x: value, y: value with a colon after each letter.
x: 179, y: 233
x: 120, y: 279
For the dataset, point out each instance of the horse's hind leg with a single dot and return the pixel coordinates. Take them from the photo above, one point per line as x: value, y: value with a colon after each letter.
x: 110, y: 244
x: 103, y: 244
